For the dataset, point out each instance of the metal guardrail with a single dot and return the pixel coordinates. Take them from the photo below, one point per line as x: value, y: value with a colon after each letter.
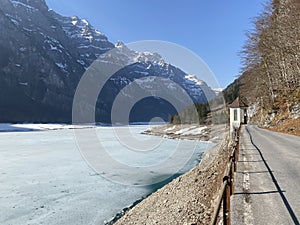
x: 227, y: 188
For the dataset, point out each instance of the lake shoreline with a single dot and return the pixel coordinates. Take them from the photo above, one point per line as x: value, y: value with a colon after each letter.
x: 178, y: 132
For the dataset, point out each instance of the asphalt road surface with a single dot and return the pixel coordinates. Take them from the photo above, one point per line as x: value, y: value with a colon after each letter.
x: 267, y: 188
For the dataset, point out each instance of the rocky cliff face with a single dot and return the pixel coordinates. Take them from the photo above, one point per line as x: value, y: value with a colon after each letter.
x: 43, y: 55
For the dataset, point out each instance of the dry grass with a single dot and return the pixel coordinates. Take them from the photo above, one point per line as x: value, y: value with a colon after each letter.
x: 290, y: 126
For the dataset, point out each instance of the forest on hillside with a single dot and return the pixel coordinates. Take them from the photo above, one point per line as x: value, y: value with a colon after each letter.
x: 270, y: 79
x: 270, y: 72
x: 271, y: 53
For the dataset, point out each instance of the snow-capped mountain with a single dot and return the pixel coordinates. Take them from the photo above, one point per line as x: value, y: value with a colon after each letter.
x: 218, y: 90
x: 43, y: 55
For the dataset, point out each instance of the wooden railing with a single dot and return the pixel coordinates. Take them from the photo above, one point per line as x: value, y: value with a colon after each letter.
x: 227, y: 188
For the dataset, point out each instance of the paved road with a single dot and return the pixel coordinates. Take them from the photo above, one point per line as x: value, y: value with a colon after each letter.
x: 268, y: 179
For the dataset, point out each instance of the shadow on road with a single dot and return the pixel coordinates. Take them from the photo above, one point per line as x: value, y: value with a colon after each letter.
x: 285, y: 201
x: 257, y: 193
x: 253, y: 172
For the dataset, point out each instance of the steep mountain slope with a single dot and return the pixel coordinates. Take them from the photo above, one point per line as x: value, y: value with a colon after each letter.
x: 43, y: 56
x: 282, y: 115
x: 270, y: 81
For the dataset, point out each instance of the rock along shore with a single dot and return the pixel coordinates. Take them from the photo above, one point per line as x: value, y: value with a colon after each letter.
x: 190, y: 198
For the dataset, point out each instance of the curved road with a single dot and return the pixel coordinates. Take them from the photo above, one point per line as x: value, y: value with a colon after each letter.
x: 267, y: 189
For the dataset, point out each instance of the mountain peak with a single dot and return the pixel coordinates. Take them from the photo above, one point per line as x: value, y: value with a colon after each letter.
x: 44, y: 54
x: 193, y: 78
x: 119, y: 44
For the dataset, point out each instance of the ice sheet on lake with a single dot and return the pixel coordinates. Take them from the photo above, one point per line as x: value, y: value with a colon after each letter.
x: 44, y: 179
x: 38, y: 127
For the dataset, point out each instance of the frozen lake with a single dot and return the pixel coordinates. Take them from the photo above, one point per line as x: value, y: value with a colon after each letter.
x: 45, y: 180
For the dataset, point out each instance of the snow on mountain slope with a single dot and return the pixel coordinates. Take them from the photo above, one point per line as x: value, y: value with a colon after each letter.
x: 49, y: 53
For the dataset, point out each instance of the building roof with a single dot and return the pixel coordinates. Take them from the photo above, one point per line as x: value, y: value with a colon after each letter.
x: 237, y: 103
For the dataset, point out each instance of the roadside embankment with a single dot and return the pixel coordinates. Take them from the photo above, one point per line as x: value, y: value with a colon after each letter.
x: 188, y: 199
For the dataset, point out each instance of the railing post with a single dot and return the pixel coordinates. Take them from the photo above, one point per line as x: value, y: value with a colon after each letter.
x: 226, y: 203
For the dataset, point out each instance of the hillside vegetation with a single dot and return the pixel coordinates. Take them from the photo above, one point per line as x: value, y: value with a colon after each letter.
x: 270, y: 80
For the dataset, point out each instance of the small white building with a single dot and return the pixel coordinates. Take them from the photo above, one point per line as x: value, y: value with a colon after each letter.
x: 238, y: 114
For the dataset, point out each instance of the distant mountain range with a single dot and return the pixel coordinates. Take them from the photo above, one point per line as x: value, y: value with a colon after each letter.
x: 43, y: 56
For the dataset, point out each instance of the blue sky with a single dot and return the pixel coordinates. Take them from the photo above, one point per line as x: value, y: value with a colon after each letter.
x: 213, y: 29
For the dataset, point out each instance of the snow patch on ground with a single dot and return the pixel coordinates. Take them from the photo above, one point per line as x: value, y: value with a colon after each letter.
x: 196, y: 131
x: 184, y: 130
x: 170, y: 128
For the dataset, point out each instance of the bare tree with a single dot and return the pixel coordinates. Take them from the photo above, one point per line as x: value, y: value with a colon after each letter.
x: 272, y: 49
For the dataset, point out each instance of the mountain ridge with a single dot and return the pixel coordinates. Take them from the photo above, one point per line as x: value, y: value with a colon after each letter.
x: 44, y: 55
